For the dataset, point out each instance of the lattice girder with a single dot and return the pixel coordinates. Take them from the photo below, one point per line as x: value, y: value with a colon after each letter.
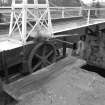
x: 30, y: 20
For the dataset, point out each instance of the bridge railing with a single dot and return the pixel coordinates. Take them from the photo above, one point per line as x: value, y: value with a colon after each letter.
x: 56, y: 12
x: 93, y: 13
x: 65, y: 12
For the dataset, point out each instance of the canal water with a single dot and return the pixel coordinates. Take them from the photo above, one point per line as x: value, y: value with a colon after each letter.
x: 95, y: 69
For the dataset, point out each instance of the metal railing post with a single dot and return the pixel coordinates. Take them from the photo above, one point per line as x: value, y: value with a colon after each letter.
x: 88, y: 18
x: 96, y: 13
x: 24, y: 21
x: 63, y: 12
x: 11, y: 18
x: 80, y: 11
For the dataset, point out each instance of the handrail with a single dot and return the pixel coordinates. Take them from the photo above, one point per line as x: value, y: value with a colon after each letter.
x: 50, y: 7
x: 67, y: 12
x: 83, y: 8
x: 5, y: 7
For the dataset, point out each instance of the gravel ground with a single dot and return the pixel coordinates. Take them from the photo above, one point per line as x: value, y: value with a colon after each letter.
x: 69, y: 86
x: 72, y: 86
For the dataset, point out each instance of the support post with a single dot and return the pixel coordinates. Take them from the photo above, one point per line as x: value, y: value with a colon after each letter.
x: 49, y: 19
x: 4, y: 65
x: 64, y: 47
x: 63, y: 12
x: 24, y: 22
x: 88, y: 18
x: 80, y: 11
x: 11, y: 19
x: 35, y: 1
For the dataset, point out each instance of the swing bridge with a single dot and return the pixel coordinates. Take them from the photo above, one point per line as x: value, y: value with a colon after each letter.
x: 58, y: 19
x: 37, y: 21
x: 40, y: 20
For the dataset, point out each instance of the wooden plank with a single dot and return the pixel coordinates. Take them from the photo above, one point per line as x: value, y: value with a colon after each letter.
x: 36, y: 80
x: 73, y: 86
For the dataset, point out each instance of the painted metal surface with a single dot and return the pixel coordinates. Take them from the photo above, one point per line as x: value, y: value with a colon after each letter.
x: 8, y: 45
x: 61, y: 26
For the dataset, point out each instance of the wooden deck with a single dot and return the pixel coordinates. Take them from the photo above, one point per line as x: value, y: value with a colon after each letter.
x: 22, y: 87
x: 62, y: 83
x: 76, y: 24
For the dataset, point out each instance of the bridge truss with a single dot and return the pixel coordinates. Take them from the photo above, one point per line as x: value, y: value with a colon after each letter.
x: 37, y: 16
x: 35, y: 19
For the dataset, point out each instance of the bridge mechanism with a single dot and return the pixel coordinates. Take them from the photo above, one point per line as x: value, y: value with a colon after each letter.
x: 35, y: 21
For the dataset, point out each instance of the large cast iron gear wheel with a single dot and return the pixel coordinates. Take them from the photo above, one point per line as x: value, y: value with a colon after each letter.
x: 43, y: 54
